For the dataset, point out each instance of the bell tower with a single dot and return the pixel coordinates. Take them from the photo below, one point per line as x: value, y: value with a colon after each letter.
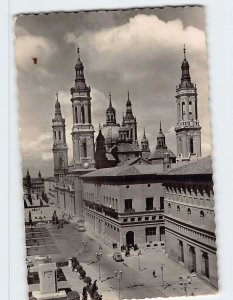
x: 188, y: 130
x: 83, y: 130
x: 130, y: 121
x: 59, y: 143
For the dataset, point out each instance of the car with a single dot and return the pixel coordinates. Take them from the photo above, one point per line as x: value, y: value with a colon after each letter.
x: 117, y: 256
x: 41, y: 224
x: 81, y: 228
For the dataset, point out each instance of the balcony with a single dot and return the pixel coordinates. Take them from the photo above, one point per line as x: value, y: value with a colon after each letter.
x: 129, y: 210
x: 107, y: 211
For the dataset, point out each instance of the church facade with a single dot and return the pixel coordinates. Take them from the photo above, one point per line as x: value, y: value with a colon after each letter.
x: 131, y: 194
x: 115, y: 143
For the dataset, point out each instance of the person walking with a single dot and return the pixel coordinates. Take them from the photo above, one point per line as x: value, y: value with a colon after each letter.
x: 154, y: 274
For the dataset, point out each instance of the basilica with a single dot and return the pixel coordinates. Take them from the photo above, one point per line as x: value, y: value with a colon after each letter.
x: 117, y: 143
x: 132, y: 194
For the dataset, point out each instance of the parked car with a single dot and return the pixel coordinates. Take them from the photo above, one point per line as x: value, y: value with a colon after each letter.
x: 117, y: 256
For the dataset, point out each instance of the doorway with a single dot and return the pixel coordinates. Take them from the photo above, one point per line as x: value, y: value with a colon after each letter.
x: 192, y: 260
x: 130, y: 238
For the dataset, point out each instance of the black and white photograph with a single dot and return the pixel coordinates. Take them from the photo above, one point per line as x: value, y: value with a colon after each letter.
x: 116, y: 156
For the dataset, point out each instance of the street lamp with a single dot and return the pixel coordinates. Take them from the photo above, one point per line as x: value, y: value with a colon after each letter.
x: 139, y: 264
x: 84, y: 246
x: 118, y: 276
x: 99, y: 257
x: 185, y: 283
x: 161, y: 267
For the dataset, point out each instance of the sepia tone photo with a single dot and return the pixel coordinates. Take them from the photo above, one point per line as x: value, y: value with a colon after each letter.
x: 115, y: 142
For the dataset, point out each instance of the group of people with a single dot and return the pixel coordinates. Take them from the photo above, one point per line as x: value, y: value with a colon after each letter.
x: 127, y: 248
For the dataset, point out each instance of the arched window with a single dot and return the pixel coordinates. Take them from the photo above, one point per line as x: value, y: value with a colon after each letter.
x: 59, y: 134
x: 178, y: 210
x: 169, y: 208
x: 82, y: 114
x: 183, y: 109
x: 202, y: 216
x: 76, y: 114
x: 191, y: 145
x: 131, y: 133
x: 189, y: 214
x: 190, y: 108
x: 54, y: 135
x: 205, y: 265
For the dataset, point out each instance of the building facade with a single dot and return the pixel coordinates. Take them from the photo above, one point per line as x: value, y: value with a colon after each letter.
x: 189, y: 218
x: 33, y: 185
x: 126, y: 204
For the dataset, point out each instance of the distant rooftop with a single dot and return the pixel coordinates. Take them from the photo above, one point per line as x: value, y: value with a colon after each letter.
x: 201, y: 166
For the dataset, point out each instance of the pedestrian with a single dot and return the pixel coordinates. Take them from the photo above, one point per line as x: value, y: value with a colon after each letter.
x: 154, y: 274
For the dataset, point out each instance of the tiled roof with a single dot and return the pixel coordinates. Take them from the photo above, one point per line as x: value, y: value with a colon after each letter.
x: 198, y: 167
x: 134, y: 160
x: 137, y: 169
x: 159, y: 154
x: 146, y: 155
x: 128, y: 147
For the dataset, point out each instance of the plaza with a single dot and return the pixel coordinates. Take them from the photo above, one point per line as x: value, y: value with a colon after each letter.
x: 137, y: 278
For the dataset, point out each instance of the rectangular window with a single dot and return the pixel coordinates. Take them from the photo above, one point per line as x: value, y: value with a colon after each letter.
x: 160, y: 217
x: 132, y: 219
x: 139, y: 219
x: 128, y: 204
x: 161, y: 203
x: 125, y: 220
x: 146, y: 218
x: 149, y: 203
x: 153, y: 218
x: 151, y: 231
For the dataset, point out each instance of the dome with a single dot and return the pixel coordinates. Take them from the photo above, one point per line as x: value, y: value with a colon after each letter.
x: 185, y: 64
x: 57, y: 105
x: 110, y: 109
x: 144, y: 140
x: 110, y: 133
x: 161, y: 135
x: 79, y: 65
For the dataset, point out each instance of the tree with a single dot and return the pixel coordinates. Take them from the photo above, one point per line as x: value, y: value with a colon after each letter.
x: 82, y: 273
x: 94, y: 288
x: 84, y: 294
x: 87, y: 280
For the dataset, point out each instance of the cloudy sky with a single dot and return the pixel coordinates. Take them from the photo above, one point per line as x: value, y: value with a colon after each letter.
x: 136, y: 50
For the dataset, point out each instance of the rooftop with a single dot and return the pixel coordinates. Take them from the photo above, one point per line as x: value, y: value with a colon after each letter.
x: 202, y: 166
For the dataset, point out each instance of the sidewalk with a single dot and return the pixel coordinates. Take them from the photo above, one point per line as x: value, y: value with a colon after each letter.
x: 152, y: 259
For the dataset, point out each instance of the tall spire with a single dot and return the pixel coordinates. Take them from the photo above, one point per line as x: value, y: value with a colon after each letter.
x: 144, y: 134
x: 80, y: 84
x: 57, y: 106
x: 184, y: 52
x: 185, y: 77
x: 110, y: 99
x: 160, y: 128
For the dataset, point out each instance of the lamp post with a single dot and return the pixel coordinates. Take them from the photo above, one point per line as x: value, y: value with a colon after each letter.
x: 161, y: 267
x: 185, y: 283
x: 99, y: 257
x: 84, y: 246
x: 118, y: 276
x: 139, y: 263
